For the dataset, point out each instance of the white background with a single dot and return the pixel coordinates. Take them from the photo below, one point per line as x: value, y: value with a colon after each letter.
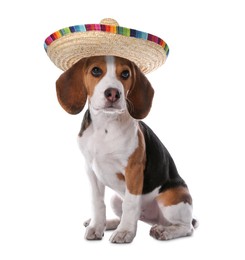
x: 198, y: 113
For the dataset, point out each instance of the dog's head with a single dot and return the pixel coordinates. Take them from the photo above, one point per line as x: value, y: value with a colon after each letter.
x: 111, y: 84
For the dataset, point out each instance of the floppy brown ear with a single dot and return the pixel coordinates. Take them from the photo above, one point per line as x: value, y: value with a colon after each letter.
x: 140, y: 95
x: 70, y: 88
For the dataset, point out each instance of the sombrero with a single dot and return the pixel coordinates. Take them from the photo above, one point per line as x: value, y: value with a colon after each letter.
x: 68, y: 45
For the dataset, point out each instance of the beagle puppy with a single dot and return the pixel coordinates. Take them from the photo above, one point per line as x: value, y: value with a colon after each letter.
x: 123, y: 153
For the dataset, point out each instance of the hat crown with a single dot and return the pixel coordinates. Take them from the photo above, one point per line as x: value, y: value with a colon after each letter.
x: 109, y: 21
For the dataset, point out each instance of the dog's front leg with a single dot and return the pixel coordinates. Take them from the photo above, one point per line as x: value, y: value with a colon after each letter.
x: 131, y: 206
x: 126, y: 230
x: 96, y: 228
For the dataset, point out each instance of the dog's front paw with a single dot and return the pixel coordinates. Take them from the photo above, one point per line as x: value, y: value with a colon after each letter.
x: 121, y: 237
x: 93, y: 233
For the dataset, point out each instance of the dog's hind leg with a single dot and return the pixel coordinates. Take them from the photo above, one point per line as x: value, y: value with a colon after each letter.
x: 111, y: 224
x: 175, y: 205
x: 116, y: 205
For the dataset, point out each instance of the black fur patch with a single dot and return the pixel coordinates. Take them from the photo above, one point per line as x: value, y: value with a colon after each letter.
x: 85, y: 123
x: 160, y: 169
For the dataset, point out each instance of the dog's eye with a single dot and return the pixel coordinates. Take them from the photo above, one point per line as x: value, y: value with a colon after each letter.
x: 125, y: 74
x: 96, y: 72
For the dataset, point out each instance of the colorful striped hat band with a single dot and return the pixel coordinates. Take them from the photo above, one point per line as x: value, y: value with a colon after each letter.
x: 67, y: 46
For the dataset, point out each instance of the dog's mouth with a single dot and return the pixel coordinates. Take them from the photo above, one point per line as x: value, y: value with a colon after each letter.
x: 109, y: 109
x: 112, y: 109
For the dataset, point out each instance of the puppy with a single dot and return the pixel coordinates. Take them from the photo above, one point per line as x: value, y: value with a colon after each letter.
x: 123, y: 153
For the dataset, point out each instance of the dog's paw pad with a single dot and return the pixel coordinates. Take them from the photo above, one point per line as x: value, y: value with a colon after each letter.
x: 121, y: 237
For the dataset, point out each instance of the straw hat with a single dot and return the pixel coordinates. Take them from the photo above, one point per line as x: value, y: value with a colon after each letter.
x: 68, y: 45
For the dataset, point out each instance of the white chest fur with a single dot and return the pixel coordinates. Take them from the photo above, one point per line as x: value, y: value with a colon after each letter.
x: 107, y: 144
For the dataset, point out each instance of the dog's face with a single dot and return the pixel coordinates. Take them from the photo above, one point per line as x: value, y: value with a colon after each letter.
x: 111, y: 85
x: 107, y: 84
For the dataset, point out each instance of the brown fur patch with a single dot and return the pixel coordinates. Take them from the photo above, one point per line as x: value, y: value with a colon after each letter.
x: 174, y: 196
x: 140, y: 95
x: 122, y: 65
x: 134, y: 172
x: 120, y: 176
x: 71, y: 91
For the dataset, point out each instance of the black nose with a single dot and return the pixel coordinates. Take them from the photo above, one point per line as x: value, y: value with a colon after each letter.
x: 112, y: 94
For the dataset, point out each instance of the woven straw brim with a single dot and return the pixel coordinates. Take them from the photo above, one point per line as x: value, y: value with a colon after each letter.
x: 67, y: 49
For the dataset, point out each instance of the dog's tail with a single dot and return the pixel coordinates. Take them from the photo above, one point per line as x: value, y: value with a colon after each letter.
x: 195, y: 223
